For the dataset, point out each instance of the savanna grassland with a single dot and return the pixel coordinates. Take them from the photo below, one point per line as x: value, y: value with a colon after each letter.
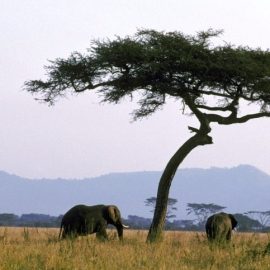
x: 36, y: 248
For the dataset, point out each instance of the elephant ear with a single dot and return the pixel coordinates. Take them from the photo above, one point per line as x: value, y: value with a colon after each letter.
x: 233, y: 220
x: 112, y: 213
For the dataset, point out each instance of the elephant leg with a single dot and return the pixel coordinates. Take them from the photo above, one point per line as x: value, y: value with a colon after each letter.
x: 101, y: 234
x: 229, y: 235
x: 209, y: 234
x: 62, y: 235
x: 66, y: 232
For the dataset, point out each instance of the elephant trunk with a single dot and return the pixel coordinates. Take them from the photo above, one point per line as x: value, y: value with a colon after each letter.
x: 120, y: 227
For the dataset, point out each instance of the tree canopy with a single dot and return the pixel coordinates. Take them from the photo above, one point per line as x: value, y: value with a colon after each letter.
x: 211, y: 82
x: 262, y: 216
x: 203, y: 210
x: 170, y: 208
x: 159, y: 65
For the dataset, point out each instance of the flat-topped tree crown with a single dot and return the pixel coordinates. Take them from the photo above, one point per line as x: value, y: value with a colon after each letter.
x: 158, y: 65
x: 209, y: 80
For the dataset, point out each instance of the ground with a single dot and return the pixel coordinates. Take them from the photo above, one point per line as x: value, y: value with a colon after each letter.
x: 36, y: 248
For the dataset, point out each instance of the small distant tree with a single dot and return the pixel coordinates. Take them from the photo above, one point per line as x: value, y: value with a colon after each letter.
x: 170, y: 208
x: 262, y: 216
x: 246, y: 223
x: 202, y: 211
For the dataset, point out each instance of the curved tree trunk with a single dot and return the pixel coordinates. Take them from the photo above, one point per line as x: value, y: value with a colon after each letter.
x: 155, y: 232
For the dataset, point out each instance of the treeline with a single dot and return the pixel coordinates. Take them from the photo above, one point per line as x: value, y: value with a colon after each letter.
x: 245, y: 223
x: 29, y: 220
x: 252, y: 221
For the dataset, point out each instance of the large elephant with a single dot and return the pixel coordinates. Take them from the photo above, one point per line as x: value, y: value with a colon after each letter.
x: 83, y: 220
x: 219, y: 227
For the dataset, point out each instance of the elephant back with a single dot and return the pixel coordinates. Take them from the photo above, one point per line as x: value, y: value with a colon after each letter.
x: 219, y: 226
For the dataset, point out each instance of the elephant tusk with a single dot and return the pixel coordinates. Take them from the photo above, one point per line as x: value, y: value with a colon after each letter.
x: 125, y: 226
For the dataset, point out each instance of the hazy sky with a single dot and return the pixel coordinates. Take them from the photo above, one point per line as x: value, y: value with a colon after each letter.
x: 80, y: 138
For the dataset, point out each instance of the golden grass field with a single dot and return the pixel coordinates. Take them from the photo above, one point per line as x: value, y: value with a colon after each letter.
x: 37, y: 248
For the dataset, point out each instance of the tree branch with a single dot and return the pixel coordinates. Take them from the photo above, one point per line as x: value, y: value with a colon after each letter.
x: 78, y: 90
x: 235, y: 120
x: 209, y: 108
x: 205, y: 127
x: 213, y: 93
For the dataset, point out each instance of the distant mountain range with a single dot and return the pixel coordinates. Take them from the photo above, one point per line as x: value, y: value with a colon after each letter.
x: 240, y: 189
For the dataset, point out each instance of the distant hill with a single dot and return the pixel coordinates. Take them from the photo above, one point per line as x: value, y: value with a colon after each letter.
x: 240, y: 188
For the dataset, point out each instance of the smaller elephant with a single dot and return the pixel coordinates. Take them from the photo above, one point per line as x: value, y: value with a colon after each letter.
x: 83, y: 220
x: 219, y: 227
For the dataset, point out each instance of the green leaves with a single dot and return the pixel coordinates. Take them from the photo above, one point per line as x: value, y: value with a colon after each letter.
x: 162, y: 64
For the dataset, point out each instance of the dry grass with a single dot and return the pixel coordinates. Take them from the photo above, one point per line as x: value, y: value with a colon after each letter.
x: 37, y: 249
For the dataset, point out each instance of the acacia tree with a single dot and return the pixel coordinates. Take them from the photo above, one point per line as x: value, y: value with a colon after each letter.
x: 170, y: 206
x: 203, y: 210
x: 262, y: 216
x: 208, y: 81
